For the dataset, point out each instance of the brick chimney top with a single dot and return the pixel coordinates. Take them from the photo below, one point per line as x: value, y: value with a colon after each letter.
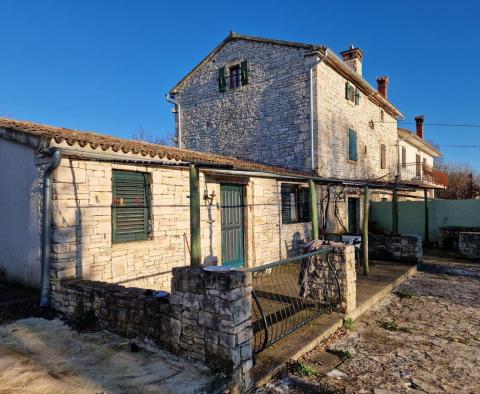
x: 419, y: 122
x: 382, y: 83
x: 353, y: 58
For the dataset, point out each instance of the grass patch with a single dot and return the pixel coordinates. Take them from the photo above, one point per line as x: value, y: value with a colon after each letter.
x: 303, y: 369
x: 392, y: 326
x: 343, y: 354
x: 404, y: 293
x: 349, y: 324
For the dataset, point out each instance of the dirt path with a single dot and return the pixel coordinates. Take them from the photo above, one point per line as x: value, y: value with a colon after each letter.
x: 426, y: 339
x: 46, y: 356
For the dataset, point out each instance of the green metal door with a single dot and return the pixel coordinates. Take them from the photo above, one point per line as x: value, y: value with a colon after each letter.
x: 231, y: 200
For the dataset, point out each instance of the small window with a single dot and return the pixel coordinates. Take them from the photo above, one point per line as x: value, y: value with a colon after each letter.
x: 352, y: 145
x: 382, y: 115
x: 238, y: 76
x: 383, y: 156
x: 235, y: 76
x: 404, y: 157
x: 352, y: 93
x: 295, y: 204
x: 130, y: 206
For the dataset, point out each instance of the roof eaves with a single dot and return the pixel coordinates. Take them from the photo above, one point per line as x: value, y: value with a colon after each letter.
x: 420, y: 141
x: 336, y: 63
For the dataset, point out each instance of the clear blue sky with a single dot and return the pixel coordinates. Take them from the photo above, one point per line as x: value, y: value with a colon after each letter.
x: 106, y: 65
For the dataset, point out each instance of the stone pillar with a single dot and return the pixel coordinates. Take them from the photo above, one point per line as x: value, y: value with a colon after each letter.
x: 211, y: 320
x: 343, y: 258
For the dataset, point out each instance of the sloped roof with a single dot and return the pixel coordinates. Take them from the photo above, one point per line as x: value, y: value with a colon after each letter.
x: 420, y: 143
x: 104, y: 142
x: 332, y: 59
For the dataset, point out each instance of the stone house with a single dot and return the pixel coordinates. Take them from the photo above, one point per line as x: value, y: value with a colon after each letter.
x: 293, y: 105
x: 120, y: 208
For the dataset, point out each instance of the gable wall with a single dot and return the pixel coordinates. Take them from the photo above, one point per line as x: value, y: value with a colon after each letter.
x: 266, y: 120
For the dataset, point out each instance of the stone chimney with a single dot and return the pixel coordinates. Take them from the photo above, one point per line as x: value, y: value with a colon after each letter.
x: 353, y: 58
x: 419, y: 122
x: 382, y: 83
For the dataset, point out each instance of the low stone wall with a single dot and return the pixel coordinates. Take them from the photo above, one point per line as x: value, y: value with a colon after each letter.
x: 404, y: 248
x: 449, y: 237
x: 469, y: 245
x: 207, y: 317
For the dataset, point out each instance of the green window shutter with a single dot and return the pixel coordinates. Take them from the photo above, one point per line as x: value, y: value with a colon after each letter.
x: 304, y: 204
x: 357, y: 96
x: 286, y: 206
x: 222, y: 81
x: 352, y: 145
x: 244, y: 72
x: 130, y: 206
x: 347, y: 89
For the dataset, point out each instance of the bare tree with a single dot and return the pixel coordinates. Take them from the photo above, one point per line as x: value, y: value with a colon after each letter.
x: 463, y: 181
x: 168, y: 139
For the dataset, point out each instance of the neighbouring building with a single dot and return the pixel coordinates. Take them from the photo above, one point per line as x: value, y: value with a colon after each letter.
x: 120, y: 208
x: 416, y: 160
x: 293, y: 105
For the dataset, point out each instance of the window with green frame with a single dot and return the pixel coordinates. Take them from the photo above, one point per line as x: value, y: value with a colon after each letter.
x: 295, y: 204
x: 130, y: 206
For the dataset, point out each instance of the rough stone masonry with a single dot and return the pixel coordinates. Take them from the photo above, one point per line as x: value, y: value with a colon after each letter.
x: 206, y: 318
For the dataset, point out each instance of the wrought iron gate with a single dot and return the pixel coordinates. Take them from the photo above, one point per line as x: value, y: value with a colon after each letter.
x: 290, y: 293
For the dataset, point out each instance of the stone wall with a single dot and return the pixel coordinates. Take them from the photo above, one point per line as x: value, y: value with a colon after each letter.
x: 206, y: 318
x: 448, y: 237
x: 82, y: 244
x: 266, y: 120
x: 469, y: 245
x: 403, y: 248
x: 335, y: 116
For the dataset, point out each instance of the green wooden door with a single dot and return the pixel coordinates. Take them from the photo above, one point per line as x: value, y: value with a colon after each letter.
x: 353, y: 215
x: 232, y: 225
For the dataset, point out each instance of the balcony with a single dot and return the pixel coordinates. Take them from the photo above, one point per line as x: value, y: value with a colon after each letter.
x: 420, y: 173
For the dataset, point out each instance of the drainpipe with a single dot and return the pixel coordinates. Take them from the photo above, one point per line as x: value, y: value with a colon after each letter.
x: 47, y: 223
x: 312, y: 152
x: 171, y: 99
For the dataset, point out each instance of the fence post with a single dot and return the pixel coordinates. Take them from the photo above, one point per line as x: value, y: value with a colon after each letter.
x: 427, y: 225
x: 366, y: 202
x: 395, y: 212
x: 195, y: 259
x: 313, y: 209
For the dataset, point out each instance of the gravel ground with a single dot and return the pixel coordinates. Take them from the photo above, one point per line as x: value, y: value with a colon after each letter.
x: 47, y: 356
x: 424, y: 338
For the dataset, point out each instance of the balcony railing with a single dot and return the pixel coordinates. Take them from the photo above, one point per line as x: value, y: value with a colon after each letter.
x: 423, y: 173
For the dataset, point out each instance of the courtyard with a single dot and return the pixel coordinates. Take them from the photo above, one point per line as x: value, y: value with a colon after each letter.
x: 424, y: 337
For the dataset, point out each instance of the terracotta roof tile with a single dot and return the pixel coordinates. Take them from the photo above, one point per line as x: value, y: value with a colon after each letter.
x: 105, y: 142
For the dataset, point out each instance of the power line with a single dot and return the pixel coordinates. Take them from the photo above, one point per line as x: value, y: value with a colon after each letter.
x: 447, y: 124
x: 459, y: 146
x: 400, y: 123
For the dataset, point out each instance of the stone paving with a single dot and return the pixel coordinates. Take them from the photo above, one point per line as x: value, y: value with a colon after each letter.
x: 423, y: 338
